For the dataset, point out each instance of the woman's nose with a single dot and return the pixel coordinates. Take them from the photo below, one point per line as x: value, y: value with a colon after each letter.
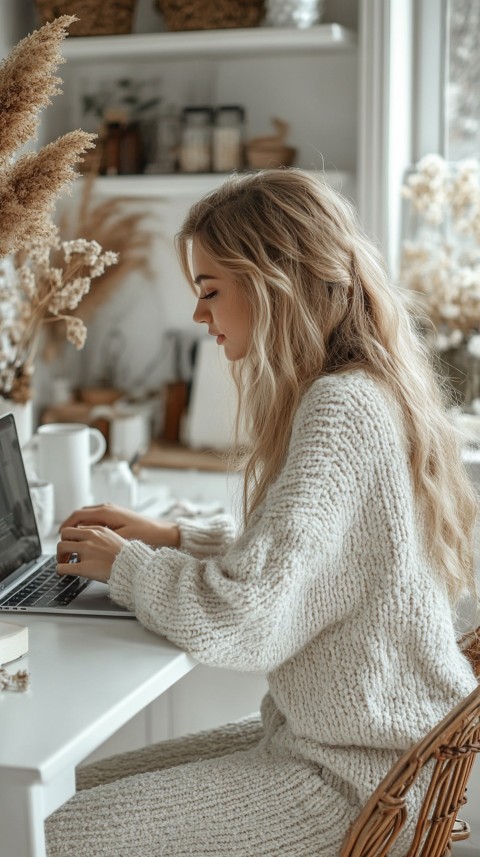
x: 201, y: 313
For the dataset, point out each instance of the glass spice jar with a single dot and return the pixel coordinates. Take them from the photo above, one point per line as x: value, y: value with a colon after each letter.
x: 164, y: 159
x: 293, y: 13
x: 196, y: 140
x: 227, y: 143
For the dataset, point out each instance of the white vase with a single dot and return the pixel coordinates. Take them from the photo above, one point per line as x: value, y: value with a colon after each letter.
x: 23, y: 415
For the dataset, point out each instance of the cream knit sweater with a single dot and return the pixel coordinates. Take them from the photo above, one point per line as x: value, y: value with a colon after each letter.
x: 330, y: 593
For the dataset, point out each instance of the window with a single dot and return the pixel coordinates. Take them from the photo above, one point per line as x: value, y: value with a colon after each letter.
x: 462, y: 80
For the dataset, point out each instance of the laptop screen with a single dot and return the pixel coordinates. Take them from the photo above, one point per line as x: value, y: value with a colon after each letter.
x: 19, y: 539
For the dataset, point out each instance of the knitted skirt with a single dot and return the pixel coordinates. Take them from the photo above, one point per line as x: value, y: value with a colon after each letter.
x: 222, y: 792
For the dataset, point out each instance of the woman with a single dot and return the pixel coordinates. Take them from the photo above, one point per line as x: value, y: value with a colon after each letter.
x: 356, y: 543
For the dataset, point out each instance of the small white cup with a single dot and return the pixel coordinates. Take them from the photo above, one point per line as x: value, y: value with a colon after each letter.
x: 43, y: 502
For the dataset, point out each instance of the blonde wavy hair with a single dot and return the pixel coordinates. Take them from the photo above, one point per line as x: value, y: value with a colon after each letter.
x: 321, y: 303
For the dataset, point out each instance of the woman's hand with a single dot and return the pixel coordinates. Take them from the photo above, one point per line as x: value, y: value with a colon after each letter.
x: 127, y: 524
x: 95, y: 547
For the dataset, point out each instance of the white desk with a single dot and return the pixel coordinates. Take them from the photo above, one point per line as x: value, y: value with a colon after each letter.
x: 88, y: 678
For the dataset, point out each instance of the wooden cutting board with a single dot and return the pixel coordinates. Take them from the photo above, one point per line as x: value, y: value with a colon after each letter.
x: 182, y: 458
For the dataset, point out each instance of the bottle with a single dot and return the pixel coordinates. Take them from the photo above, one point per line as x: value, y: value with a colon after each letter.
x: 114, y: 124
x: 196, y: 140
x: 166, y: 148
x: 114, y: 482
x: 112, y: 141
x: 131, y: 159
x: 227, y: 146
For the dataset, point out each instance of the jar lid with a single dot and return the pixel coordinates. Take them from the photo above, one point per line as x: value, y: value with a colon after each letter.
x: 230, y: 108
x: 200, y: 113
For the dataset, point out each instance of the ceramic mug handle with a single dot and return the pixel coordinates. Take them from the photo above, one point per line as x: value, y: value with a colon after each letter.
x: 98, y: 445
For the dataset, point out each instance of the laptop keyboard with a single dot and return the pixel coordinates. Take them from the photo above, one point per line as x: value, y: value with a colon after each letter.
x: 45, y: 589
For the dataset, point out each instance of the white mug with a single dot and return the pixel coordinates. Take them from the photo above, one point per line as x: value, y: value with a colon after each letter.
x: 129, y: 431
x: 65, y: 453
x: 129, y: 434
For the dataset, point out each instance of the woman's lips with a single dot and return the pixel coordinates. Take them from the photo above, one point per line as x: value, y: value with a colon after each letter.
x: 220, y: 339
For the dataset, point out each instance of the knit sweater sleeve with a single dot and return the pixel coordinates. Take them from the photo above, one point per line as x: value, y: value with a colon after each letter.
x: 206, y: 536
x: 277, y: 585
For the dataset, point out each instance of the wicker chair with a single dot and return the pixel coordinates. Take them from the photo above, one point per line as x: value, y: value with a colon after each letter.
x: 470, y: 646
x: 451, y: 747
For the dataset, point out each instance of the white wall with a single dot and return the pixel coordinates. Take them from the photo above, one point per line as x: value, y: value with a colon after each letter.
x: 16, y: 19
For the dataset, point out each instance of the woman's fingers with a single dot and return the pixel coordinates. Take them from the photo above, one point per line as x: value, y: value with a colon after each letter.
x: 77, y: 534
x: 130, y: 525
x: 102, y: 515
x: 68, y: 546
x: 95, y: 549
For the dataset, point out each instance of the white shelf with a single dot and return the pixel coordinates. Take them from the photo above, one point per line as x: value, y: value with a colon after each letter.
x: 216, y: 43
x: 157, y: 186
x: 178, y: 185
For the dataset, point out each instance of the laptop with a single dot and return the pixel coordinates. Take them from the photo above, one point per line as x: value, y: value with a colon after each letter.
x: 28, y: 579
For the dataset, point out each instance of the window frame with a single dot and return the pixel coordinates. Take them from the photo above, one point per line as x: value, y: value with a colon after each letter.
x: 430, y: 77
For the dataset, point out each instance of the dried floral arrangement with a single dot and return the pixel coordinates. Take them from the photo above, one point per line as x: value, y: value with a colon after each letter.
x: 117, y: 230
x: 50, y: 276
x: 441, y: 262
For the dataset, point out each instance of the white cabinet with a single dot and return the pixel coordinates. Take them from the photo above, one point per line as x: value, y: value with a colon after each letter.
x: 306, y: 77
x: 345, y: 90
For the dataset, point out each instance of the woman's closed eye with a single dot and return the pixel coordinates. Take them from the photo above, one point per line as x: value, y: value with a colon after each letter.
x: 208, y: 296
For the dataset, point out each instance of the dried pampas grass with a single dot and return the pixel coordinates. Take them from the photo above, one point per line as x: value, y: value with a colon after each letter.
x: 27, y: 83
x: 28, y: 189
x: 30, y: 185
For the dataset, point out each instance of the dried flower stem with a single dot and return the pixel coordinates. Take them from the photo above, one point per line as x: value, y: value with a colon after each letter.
x: 117, y: 228
x: 40, y: 306
x: 19, y: 681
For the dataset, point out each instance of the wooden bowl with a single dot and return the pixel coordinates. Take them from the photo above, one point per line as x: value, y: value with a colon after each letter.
x: 261, y: 157
x: 99, y: 395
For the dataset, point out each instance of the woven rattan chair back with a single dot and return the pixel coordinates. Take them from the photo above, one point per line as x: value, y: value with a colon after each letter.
x: 470, y: 646
x: 450, y: 750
